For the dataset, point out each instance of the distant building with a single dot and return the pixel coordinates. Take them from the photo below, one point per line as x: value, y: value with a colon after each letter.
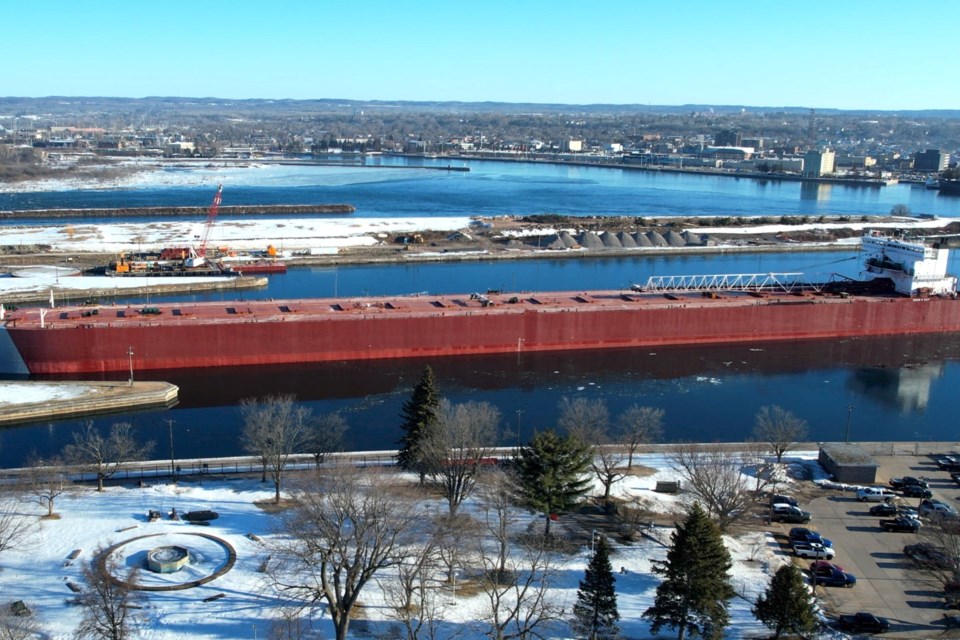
x: 573, y: 146
x: 860, y: 162
x: 728, y: 153
x: 728, y: 138
x: 931, y: 160
x: 818, y: 163
x: 756, y: 143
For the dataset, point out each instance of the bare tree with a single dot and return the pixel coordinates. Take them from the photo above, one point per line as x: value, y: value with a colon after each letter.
x: 498, y: 494
x: 939, y: 557
x: 635, y: 515
x: 104, y: 455
x: 519, y: 598
x: 713, y: 475
x: 779, y: 428
x: 414, y: 596
x: 47, y: 480
x: 15, y: 626
x: 638, y: 426
x: 342, y: 531
x: 589, y: 420
x: 326, y: 436
x: 274, y: 428
x: 462, y: 442
x: 15, y: 526
x: 109, y: 605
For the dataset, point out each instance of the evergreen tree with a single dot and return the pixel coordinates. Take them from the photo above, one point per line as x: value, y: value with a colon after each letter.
x: 552, y: 473
x: 696, y: 587
x: 419, y: 416
x: 595, y: 612
x: 787, y: 605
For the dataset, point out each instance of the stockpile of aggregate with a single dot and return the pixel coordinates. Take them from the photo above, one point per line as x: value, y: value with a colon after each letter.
x: 554, y: 242
x: 674, y: 239
x: 568, y: 240
x: 642, y: 240
x: 590, y: 240
x: 692, y: 239
x: 610, y: 240
x: 657, y: 240
x: 626, y: 240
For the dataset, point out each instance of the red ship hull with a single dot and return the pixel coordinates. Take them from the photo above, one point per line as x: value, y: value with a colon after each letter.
x: 272, y: 332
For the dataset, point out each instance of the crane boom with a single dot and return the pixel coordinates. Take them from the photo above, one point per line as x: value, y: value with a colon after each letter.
x: 211, y: 217
x: 199, y: 256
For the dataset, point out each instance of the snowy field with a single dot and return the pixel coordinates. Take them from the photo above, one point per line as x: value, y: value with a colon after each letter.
x: 40, y: 573
x: 14, y: 393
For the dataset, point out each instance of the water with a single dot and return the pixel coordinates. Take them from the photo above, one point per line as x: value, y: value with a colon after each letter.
x: 498, y: 188
x: 901, y: 389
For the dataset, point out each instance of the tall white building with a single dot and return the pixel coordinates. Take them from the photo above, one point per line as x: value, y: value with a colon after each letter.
x: 818, y: 163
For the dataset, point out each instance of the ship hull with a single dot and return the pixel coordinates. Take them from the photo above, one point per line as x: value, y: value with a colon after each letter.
x: 248, y: 334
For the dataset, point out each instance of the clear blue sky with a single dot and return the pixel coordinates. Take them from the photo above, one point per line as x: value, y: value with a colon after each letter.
x: 845, y: 54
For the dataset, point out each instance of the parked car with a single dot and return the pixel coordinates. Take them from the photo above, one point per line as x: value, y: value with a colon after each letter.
x: 863, y: 623
x: 899, y: 483
x: 948, y: 463
x: 802, y: 534
x: 788, y: 513
x: 929, y: 556
x: 782, y: 499
x: 884, y: 509
x: 836, y: 579
x: 823, y: 567
x: 951, y: 595
x: 813, y: 550
x: 915, y: 491
x: 903, y: 524
x: 931, y: 507
x: 875, y: 494
x: 955, y: 476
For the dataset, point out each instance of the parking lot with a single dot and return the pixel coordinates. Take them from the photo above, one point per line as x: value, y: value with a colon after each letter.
x: 888, y: 584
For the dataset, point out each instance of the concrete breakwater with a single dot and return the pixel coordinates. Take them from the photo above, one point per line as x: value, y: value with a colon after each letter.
x: 95, y: 293
x: 125, y: 212
x: 90, y: 398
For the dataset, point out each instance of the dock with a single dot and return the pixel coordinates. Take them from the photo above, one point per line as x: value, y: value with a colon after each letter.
x: 69, y: 399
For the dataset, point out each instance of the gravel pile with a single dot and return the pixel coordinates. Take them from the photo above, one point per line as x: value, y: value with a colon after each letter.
x: 674, y: 239
x: 610, y: 240
x: 626, y: 240
x: 656, y: 240
x: 590, y: 240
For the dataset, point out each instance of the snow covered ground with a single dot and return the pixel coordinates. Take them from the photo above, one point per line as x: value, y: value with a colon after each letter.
x: 14, y: 393
x: 40, y: 573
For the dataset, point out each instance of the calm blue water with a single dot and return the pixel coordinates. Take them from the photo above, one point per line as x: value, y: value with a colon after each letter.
x: 498, y: 188
x: 900, y: 389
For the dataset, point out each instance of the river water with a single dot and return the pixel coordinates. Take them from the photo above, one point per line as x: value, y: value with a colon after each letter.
x: 900, y: 389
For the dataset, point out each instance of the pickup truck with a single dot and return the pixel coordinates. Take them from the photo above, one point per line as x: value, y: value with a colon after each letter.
x: 899, y: 483
x: 902, y: 524
x: 813, y: 550
x: 875, y: 494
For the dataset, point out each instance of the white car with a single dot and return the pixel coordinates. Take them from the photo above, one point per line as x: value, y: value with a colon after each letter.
x: 875, y: 494
x: 813, y: 550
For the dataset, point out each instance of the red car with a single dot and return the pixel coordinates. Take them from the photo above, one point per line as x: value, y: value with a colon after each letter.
x: 824, y: 567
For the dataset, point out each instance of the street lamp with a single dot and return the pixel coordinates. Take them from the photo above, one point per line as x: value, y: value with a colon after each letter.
x: 519, y: 413
x: 130, y: 361
x: 173, y: 465
x: 849, y: 418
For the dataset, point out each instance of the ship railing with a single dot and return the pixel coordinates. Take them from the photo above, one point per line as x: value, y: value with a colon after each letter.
x: 786, y: 282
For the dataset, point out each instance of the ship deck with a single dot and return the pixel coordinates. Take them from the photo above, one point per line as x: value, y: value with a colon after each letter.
x: 238, y: 311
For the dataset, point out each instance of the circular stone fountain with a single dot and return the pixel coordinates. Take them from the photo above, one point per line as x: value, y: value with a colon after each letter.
x: 168, y: 559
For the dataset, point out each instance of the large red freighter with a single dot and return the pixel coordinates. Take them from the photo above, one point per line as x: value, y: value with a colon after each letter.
x: 690, y: 310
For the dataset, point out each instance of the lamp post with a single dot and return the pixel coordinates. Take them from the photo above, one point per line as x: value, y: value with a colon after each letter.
x: 130, y: 361
x: 173, y: 465
x: 849, y: 419
x: 519, y: 413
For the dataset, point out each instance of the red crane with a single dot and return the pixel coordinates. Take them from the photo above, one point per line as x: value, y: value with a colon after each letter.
x: 199, y: 256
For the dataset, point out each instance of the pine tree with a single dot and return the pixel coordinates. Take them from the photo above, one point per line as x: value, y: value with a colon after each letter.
x: 696, y: 587
x: 419, y: 416
x: 595, y: 612
x: 787, y: 605
x: 552, y: 473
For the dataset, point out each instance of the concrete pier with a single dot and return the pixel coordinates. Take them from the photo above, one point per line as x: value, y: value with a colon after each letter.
x: 84, y: 399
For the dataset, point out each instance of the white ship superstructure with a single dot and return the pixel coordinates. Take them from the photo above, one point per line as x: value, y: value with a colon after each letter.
x: 916, y: 268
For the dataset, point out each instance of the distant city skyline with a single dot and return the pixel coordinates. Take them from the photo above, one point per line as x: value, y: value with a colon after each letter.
x: 882, y: 55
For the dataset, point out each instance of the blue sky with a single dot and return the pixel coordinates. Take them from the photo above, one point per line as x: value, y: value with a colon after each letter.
x: 842, y: 54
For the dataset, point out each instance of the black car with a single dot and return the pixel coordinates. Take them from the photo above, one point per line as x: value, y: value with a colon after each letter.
x: 787, y: 513
x: 782, y: 499
x: 900, y: 483
x: 836, y: 579
x: 915, y: 491
x: 863, y: 622
x: 884, y: 510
